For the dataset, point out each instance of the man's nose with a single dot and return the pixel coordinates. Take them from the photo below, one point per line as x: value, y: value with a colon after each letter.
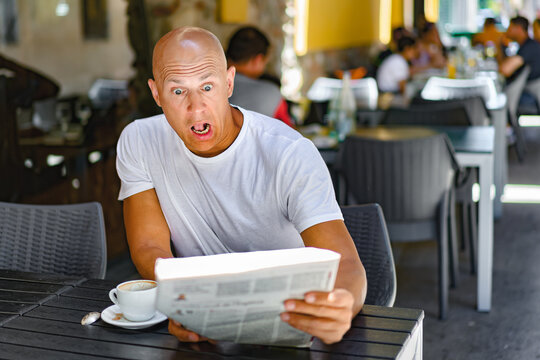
x: 195, y: 101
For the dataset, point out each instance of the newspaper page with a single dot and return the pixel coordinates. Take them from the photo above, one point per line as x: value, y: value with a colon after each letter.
x: 243, y: 305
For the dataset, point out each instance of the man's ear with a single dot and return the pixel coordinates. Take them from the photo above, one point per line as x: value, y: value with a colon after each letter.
x: 231, y: 73
x: 153, y: 88
x: 260, y: 59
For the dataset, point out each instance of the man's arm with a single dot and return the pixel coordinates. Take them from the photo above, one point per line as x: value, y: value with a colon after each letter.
x: 147, y: 231
x: 328, y: 315
x: 509, y: 65
x: 149, y: 239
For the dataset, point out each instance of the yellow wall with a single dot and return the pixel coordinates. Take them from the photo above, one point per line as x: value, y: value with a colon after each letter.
x: 431, y: 10
x: 340, y: 24
x: 397, y: 13
x: 233, y: 11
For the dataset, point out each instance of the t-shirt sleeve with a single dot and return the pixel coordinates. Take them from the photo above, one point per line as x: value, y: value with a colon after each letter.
x: 306, y: 189
x: 393, y: 70
x: 133, y: 173
x: 400, y: 70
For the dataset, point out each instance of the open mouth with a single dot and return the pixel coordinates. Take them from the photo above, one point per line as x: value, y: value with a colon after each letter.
x: 201, y: 129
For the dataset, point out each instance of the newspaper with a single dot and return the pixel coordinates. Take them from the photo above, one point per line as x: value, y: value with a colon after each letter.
x: 239, y: 297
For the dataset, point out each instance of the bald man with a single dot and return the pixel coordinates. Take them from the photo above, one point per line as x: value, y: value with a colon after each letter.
x: 212, y: 178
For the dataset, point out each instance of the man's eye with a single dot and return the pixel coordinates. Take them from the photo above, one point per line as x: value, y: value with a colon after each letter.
x: 178, y: 91
x: 207, y: 87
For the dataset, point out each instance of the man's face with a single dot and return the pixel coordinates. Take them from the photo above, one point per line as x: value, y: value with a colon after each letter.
x: 514, y: 32
x: 192, y: 86
x: 410, y: 52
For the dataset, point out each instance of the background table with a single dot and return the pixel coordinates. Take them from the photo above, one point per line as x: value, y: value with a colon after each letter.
x: 40, y: 317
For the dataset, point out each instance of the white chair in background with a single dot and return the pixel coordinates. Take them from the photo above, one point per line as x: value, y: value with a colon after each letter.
x: 365, y: 91
x: 439, y: 88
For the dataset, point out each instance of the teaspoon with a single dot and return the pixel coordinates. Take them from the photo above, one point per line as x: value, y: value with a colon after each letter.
x: 90, y: 318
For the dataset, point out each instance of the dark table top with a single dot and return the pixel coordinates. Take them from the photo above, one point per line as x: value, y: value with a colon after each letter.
x: 475, y: 139
x: 464, y: 139
x: 40, y: 316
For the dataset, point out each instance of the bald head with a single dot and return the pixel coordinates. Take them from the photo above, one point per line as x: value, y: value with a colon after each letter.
x: 186, y: 46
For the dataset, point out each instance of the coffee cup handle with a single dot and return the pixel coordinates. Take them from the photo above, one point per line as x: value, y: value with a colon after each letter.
x: 113, y: 296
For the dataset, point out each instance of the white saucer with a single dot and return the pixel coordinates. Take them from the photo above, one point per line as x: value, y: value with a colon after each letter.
x: 113, y: 315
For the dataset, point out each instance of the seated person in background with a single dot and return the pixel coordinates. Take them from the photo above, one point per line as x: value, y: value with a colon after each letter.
x: 212, y: 178
x: 397, y: 33
x: 431, y: 52
x: 248, y: 53
x: 536, y: 29
x: 395, y: 70
x: 490, y: 35
x: 528, y: 53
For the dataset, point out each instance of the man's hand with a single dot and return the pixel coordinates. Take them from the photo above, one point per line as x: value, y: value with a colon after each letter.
x: 176, y: 329
x: 326, y: 315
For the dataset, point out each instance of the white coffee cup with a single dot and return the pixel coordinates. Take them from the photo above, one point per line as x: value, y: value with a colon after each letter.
x: 136, y: 299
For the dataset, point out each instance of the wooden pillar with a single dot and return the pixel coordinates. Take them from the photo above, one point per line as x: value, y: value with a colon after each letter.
x: 142, y: 46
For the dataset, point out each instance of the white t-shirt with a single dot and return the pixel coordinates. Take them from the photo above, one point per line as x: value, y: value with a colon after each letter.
x: 257, y: 95
x: 259, y: 194
x: 392, y: 71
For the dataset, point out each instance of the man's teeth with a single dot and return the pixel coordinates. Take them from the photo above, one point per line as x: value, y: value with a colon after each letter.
x: 203, y: 131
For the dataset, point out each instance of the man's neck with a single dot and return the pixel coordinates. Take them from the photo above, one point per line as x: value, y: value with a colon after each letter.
x: 246, y: 70
x: 236, y: 126
x: 522, y: 40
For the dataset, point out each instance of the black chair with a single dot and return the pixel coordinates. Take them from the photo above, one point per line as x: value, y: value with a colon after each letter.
x: 449, y: 113
x: 513, y: 91
x: 59, y: 239
x: 428, y: 114
x: 412, y: 180
x: 533, y: 88
x: 11, y: 164
x: 367, y: 227
x: 474, y: 106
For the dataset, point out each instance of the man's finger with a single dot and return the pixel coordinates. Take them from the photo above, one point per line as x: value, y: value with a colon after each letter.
x: 323, y: 311
x: 328, y: 330
x: 183, y: 334
x: 337, y: 298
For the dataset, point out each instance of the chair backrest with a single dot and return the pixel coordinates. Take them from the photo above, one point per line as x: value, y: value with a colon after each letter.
x: 533, y: 87
x: 474, y: 106
x: 429, y: 114
x: 11, y: 164
x: 513, y: 91
x: 367, y: 227
x: 407, y: 177
x: 438, y: 88
x: 365, y: 91
x: 60, y: 239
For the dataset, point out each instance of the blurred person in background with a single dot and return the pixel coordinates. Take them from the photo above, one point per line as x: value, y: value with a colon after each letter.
x: 536, y: 29
x: 248, y: 53
x: 395, y: 70
x: 392, y: 48
x: 528, y: 53
x: 491, y: 36
x: 431, y: 52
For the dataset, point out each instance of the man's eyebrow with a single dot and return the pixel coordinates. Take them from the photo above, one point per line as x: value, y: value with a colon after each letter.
x: 206, y: 76
x: 201, y: 78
